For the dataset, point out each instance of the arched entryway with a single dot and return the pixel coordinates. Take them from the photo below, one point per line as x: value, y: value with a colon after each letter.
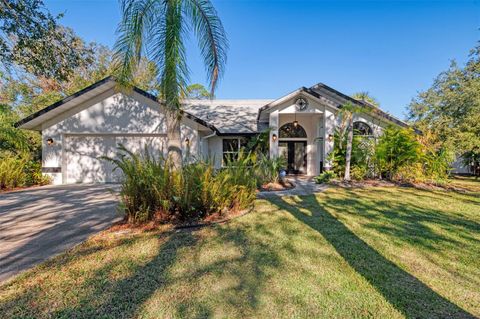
x: 292, y: 145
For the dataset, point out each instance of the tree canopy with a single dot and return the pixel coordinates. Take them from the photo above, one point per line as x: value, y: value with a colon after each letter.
x: 449, y: 111
x: 30, y: 37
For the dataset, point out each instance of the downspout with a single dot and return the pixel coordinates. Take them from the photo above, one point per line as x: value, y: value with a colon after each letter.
x: 205, y: 138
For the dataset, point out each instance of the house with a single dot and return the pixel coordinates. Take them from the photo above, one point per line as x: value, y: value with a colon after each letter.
x: 78, y: 130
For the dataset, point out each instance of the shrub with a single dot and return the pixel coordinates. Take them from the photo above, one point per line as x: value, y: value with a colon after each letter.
x: 359, y: 172
x: 396, y: 149
x: 324, y: 177
x: 268, y: 169
x: 12, y: 172
x: 363, y: 153
x: 152, y: 188
x: 20, y: 171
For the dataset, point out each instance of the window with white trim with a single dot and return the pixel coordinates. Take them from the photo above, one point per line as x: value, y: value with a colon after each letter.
x: 231, y: 148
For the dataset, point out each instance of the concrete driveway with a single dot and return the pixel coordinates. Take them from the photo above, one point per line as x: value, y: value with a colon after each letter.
x: 38, y: 223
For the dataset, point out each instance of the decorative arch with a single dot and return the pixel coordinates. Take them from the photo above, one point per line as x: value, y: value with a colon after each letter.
x: 362, y: 129
x: 291, y: 131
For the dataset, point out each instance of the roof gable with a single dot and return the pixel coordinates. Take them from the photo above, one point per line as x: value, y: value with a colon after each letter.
x: 35, y: 120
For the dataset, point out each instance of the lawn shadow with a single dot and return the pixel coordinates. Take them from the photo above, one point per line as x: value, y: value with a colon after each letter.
x: 405, y: 292
x: 409, y: 222
x: 101, y: 295
x: 249, y: 270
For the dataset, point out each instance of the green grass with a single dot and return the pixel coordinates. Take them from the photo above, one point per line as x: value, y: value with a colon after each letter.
x: 374, y: 252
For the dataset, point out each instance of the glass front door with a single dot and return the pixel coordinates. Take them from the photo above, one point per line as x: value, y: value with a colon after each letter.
x: 295, y: 152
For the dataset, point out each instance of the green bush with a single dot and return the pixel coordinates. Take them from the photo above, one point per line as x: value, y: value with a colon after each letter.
x: 324, y: 177
x: 396, y: 150
x: 363, y: 154
x: 19, y: 171
x: 359, y: 172
x: 267, y: 170
x: 151, y: 188
x: 12, y: 172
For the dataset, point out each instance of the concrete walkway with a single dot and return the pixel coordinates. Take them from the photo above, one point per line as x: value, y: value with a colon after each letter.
x: 38, y: 223
x: 303, y: 186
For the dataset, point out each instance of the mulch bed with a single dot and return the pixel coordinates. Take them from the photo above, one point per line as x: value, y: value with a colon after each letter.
x: 275, y: 187
x: 159, y: 223
x: 386, y: 183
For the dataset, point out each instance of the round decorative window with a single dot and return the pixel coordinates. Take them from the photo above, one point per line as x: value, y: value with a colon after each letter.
x: 301, y: 104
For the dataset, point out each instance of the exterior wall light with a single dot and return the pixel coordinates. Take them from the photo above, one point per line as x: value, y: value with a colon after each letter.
x: 274, y: 137
x: 49, y: 141
x: 330, y: 137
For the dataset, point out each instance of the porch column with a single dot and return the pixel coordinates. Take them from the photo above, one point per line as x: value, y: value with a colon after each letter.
x: 328, y: 130
x: 273, y: 124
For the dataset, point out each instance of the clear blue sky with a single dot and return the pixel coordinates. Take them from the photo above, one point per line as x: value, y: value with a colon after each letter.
x: 392, y: 49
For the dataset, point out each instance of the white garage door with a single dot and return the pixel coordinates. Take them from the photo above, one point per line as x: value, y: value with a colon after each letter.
x: 83, y: 155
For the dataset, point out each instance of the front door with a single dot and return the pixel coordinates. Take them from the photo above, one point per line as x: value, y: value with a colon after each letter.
x: 295, y: 154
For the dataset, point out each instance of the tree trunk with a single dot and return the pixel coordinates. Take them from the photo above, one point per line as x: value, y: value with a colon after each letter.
x: 348, y: 154
x: 174, y: 142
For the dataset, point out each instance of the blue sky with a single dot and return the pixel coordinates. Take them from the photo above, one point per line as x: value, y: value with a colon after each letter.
x: 392, y: 49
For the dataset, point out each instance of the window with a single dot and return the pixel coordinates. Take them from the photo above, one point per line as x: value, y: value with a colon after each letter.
x: 290, y: 131
x: 231, y: 147
x: 362, y: 129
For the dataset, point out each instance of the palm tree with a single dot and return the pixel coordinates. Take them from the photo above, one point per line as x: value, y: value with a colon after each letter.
x: 348, y: 111
x: 157, y: 29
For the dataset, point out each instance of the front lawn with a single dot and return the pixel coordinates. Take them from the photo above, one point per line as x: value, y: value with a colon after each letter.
x: 381, y: 252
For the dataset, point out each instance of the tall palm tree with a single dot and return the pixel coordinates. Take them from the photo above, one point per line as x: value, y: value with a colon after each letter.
x: 157, y: 30
x: 348, y: 110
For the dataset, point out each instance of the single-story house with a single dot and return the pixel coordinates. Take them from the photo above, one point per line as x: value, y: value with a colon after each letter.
x: 78, y: 130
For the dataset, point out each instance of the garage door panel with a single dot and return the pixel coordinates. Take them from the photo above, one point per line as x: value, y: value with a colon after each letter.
x: 84, y: 163
x: 156, y: 145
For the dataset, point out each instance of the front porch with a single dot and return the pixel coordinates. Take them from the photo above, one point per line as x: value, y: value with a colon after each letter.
x: 301, y: 130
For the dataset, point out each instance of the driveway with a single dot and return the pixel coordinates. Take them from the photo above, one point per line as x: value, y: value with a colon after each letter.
x: 38, y: 223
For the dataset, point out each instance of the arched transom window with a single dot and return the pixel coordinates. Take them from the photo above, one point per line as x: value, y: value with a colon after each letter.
x: 291, y: 131
x: 362, y: 128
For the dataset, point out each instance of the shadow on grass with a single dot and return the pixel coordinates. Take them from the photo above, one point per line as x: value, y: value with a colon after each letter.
x: 395, y: 215
x: 100, y: 295
x: 405, y: 292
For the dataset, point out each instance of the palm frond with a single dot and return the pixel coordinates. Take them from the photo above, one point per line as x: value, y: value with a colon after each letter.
x: 137, y: 18
x: 211, y: 37
x: 169, y: 53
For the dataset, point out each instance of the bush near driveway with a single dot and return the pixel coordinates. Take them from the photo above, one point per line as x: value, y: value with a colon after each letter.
x: 153, y: 189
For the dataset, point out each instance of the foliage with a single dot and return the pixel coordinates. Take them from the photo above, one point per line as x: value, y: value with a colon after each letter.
x: 157, y: 30
x: 398, y: 154
x: 19, y: 171
x: 471, y: 159
x: 396, y: 149
x: 12, y: 174
x: 362, y: 154
x: 267, y: 170
x: 324, y: 177
x: 403, y: 156
x: 359, y: 172
x: 259, y: 143
x: 450, y: 109
x: 366, y: 97
x: 152, y: 188
x: 31, y: 37
x: 198, y: 92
